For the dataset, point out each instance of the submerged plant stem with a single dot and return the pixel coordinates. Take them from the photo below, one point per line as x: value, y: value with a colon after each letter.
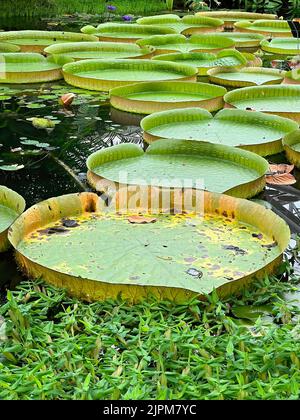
x: 70, y: 171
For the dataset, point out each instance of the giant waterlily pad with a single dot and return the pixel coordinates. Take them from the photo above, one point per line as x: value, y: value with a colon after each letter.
x: 244, y: 42
x: 96, y: 253
x: 273, y: 28
x: 29, y: 68
x: 6, y: 47
x: 206, y: 61
x: 145, y: 98
x: 235, y: 16
x: 169, y: 163
x: 254, y: 131
x: 11, y: 206
x: 104, y: 75
x: 165, y: 44
x: 281, y: 46
x: 186, y: 25
x: 280, y: 100
x: 103, y: 50
x: 291, y: 144
x: 251, y: 76
x: 124, y: 32
x: 36, y: 41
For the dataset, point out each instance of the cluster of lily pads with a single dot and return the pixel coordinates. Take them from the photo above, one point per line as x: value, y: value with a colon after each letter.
x: 177, y: 73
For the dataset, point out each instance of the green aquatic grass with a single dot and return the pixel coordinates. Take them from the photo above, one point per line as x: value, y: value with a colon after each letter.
x: 56, y: 347
x: 60, y: 7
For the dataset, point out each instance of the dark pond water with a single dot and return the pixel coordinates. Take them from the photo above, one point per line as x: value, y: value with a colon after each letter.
x: 53, y: 162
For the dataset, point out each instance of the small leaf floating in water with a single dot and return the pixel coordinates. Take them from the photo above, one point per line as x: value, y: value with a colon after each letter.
x: 140, y: 220
x: 194, y: 272
x: 42, y: 123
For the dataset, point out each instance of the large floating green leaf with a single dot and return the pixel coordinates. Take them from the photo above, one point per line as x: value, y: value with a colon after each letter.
x: 6, y: 47
x: 170, y: 163
x: 103, y: 75
x: 197, y: 43
x: 253, y: 131
x: 36, y: 41
x: 125, y: 32
x: 251, y: 76
x: 103, y: 50
x: 243, y: 40
x: 72, y: 242
x: 291, y: 144
x: 232, y: 16
x: 265, y: 27
x: 281, y: 46
x: 145, y: 98
x: 283, y: 100
x: 11, y: 206
x: 206, y: 61
x: 29, y: 68
x: 186, y: 25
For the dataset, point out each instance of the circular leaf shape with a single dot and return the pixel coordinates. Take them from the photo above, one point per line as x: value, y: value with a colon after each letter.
x: 272, y: 28
x: 227, y: 241
x: 100, y: 50
x: 251, y: 76
x: 124, y: 32
x: 206, y: 61
x: 186, y: 25
x: 104, y: 75
x: 36, y: 41
x: 145, y: 98
x: 165, y: 44
x: 170, y: 163
x: 30, y: 68
x: 280, y: 100
x: 253, y: 131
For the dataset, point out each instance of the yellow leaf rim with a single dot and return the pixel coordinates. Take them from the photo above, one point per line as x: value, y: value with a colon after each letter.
x: 185, y: 147
x: 194, y: 114
x: 158, y: 42
x: 104, y: 31
x: 230, y: 16
x: 288, y: 142
x: 188, y: 73
x: 202, y: 71
x: 73, y: 205
x: 206, y: 24
x: 214, y: 76
x: 250, y: 43
x: 6, y: 47
x: 274, y: 25
x: 14, y: 201
x: 266, y: 46
x: 10, y: 36
x: 34, y: 76
x: 119, y: 97
x: 271, y: 91
x: 73, y: 47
